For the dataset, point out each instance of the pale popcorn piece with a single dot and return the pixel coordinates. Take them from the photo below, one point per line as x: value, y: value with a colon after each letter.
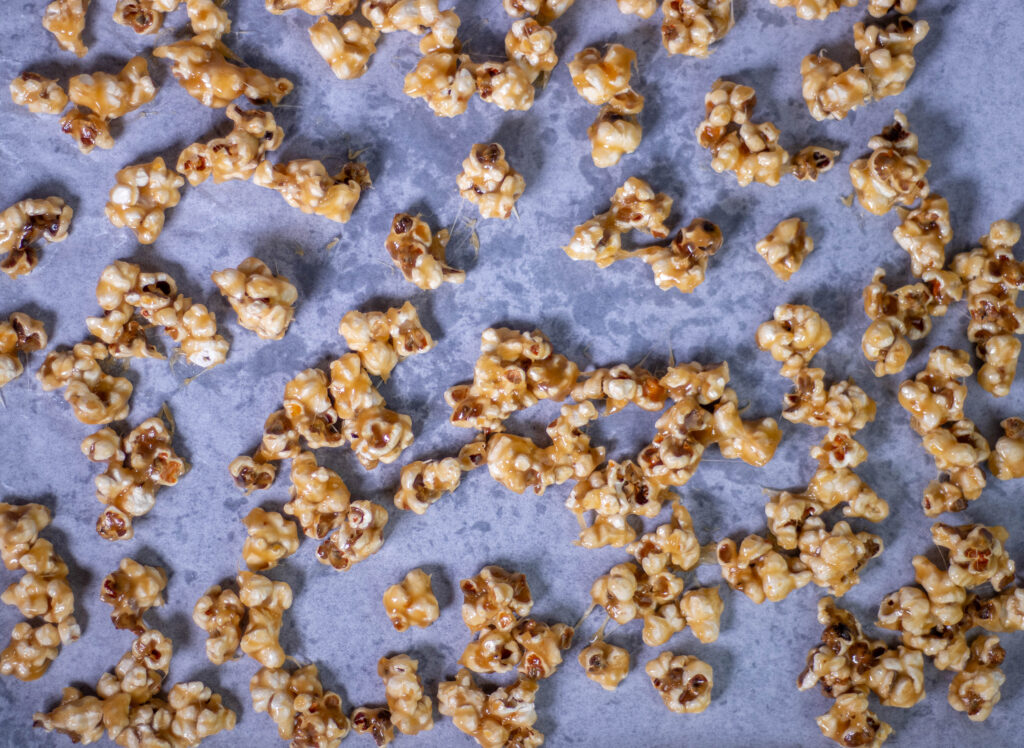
x: 19, y: 334
x: 263, y: 301
x: 444, y: 80
x: 793, y: 336
x: 495, y: 598
x: 887, y: 53
x: 95, y: 396
x: 1007, y: 458
x: 112, y: 96
x: 759, y: 571
x: 413, y: 16
x: 423, y: 483
x: 132, y: 590
x: 975, y: 690
x: 605, y: 664
x: 488, y: 181
x: 835, y: 557
x: 442, y: 34
x: 375, y: 722
x: 507, y: 84
x: 419, y: 253
x: 197, y: 712
x: 199, y: 64
x: 814, y: 10
x: 692, y: 26
x: 348, y: 49
x: 313, y: 7
x: 893, y: 173
x: 682, y: 264
x: 810, y: 162
x: 412, y: 711
x: 849, y: 721
x: 141, y: 196
x: 39, y: 94
x: 683, y: 682
x: 785, y: 247
x: 702, y: 609
x: 23, y: 224
x: 206, y: 16
x: 532, y: 46
x: 924, y: 234
x: 642, y: 8
x: 936, y: 394
x: 411, y: 602
x: 753, y: 153
x: 143, y: 16
x: 306, y: 185
x: 492, y: 651
x: 976, y: 554
x: 613, y: 135
x: 194, y: 328
x: 219, y: 613
x: 597, y: 240
x: 267, y: 601
x: 498, y: 719
x: 753, y: 441
x: 254, y: 133
x: 319, y: 497
x: 65, y: 19
x: 383, y: 339
x: 270, y: 538
x: 300, y: 707
x: 357, y: 538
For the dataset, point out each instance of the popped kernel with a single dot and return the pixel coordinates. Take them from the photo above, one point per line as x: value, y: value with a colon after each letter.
x: 924, y: 233
x: 1007, y: 459
x: 378, y: 435
x: 142, y: 193
x: 263, y: 301
x: 143, y: 16
x: 309, y: 411
x: 627, y: 593
x: 503, y: 718
x: 39, y: 94
x: 702, y: 610
x: 830, y: 486
x: 87, y: 129
x: 30, y: 651
x: 357, y: 538
x: 682, y: 263
x: 270, y: 538
x: 619, y: 386
x: 599, y: 79
x: 753, y: 153
x: 506, y: 84
x: 383, y: 339
x: 618, y: 489
x: 132, y: 590
x: 759, y: 571
x: 375, y: 722
x: 843, y: 404
x: 887, y: 53
x: 893, y: 173
x: 958, y: 450
x: 197, y: 713
x: 347, y: 49
x: 786, y: 247
x: 814, y: 10
x: 95, y: 396
x: 488, y: 181
x: 419, y: 253
x: 495, y: 598
x: 82, y: 718
x: 642, y: 8
x: 200, y: 65
x: 683, y: 682
x: 267, y: 601
x: 19, y: 333
x: 692, y: 26
x: 206, y: 16
x: 424, y: 482
x: 112, y: 96
x: 793, y: 336
x: 614, y: 134
x: 674, y: 454
x: 835, y: 557
x: 976, y: 554
x: 23, y: 224
x: 811, y: 162
x: 20, y: 526
x: 753, y: 441
x: 878, y: 8
x: 837, y: 450
x: 414, y: 16
x: 532, y: 46
x: 319, y: 497
x: 219, y: 613
x: 303, y: 711
x: 253, y: 134
x: 412, y: 711
x: 249, y: 473
x: 350, y: 387
x: 65, y: 19
x: 411, y: 602
x: 606, y: 530
x: 850, y: 722
x: 306, y: 185
x: 542, y: 646
x: 444, y: 80
x: 313, y: 7
x: 1003, y: 613
x: 492, y: 651
x: 975, y: 689
x: 605, y: 664
x: 936, y: 394
x: 137, y: 466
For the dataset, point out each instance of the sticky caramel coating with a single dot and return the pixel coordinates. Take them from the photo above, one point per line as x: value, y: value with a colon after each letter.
x: 267, y: 601
x: 65, y: 19
x: 306, y: 185
x: 143, y: 16
x: 82, y: 718
x: 850, y: 722
x: 19, y: 334
x: 674, y: 454
x: 975, y: 690
x: 201, y: 67
x: 605, y: 664
x: 835, y: 557
x: 495, y: 598
x: 692, y: 26
x: 814, y: 10
x: 488, y: 181
x: 411, y: 602
x: 40, y: 95
x: 348, y: 49
x: 674, y: 543
x: 25, y: 223
x: 842, y: 405
x: 264, y: 302
x: 95, y: 396
x: 958, y: 450
x: 132, y: 590
x: 219, y: 613
x: 752, y: 153
x: 682, y: 263
x: 786, y: 247
x: 627, y: 593
x: 936, y: 394
x: 503, y: 718
x: 206, y: 16
x: 319, y: 497
x: 253, y: 134
x: 532, y: 46
x: 924, y: 234
x: 760, y: 572
x: 419, y: 253
x: 444, y: 80
x: 383, y: 339
x: 30, y: 651
x: 141, y: 196
x: 619, y: 386
x: 309, y: 411
x: 375, y: 722
x: 112, y: 96
x: 793, y: 336
x: 1007, y: 459
x: 812, y: 161
x: 423, y: 483
x: 753, y: 441
x: 20, y: 526
x: 300, y: 707
x: 613, y: 135
x: 506, y: 84
x: 599, y: 78
x: 887, y: 53
x: 270, y: 538
x: 893, y: 173
x: 683, y: 682
x: 355, y: 540
x: 976, y: 554
x: 412, y: 711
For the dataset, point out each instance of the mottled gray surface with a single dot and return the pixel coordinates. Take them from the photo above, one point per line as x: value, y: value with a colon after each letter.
x: 964, y: 104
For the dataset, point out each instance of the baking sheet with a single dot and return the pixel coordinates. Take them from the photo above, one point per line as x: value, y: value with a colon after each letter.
x: 964, y: 104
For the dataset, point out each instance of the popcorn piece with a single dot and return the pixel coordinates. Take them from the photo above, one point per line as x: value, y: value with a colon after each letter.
x: 532, y: 46
x: 18, y: 334
x: 619, y: 386
x: 794, y: 336
x: 199, y: 64
x: 197, y: 712
x: 702, y: 609
x: 506, y: 84
x: 613, y: 135
x: 850, y: 722
x: 887, y: 53
x: 683, y: 682
x: 786, y: 247
x: 419, y: 253
x: 1007, y: 459
x: 444, y: 80
x: 347, y: 49
x: 414, y: 16
x: 878, y: 8
x: 936, y: 394
x: 267, y: 601
x: 20, y: 526
x: 893, y: 173
x: 752, y: 441
x: 23, y: 224
x: 143, y: 16
x: 95, y: 396
x: 495, y: 598
x: 423, y: 483
x: 958, y: 449
x: 142, y: 193
x: 493, y: 651
x: 753, y: 153
x: 844, y: 404
x: 412, y: 711
x: 299, y: 706
x: 88, y: 130
x: 814, y: 10
x: 606, y: 530
x: 599, y: 79
x: 205, y: 16
x: 812, y: 161
x: 759, y: 571
x: 250, y: 474
x: 219, y: 613
x: 271, y: 538
x: 378, y: 435
x: 309, y: 411
x: 975, y: 690
x: 627, y: 593
x: 542, y: 646
x: 236, y: 155
x: 306, y: 185
x: 319, y: 497
x: 30, y: 652
x: 137, y: 466
x: 82, y: 718
x: 382, y: 339
x: 605, y: 664
x: 489, y: 182
x: 504, y: 718
x: 375, y: 722
x: 692, y: 26
x: 313, y: 7
x: 411, y: 602
x: 263, y: 301
x: 350, y: 387
x: 683, y: 262
x: 835, y: 557
x: 132, y: 590
x: 976, y: 555
x: 358, y: 538
x: 65, y: 19
x: 40, y: 94
x: 674, y: 543
x: 674, y: 454
x: 112, y: 96
x: 140, y: 672
x: 924, y: 234
x: 1003, y: 613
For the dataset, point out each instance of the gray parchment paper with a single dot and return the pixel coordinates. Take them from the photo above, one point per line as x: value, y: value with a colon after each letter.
x: 965, y: 104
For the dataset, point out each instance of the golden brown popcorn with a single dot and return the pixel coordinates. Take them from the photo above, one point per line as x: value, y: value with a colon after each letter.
x: 112, y: 96
x: 814, y: 10
x: 850, y: 722
x: 383, y: 339
x: 419, y: 253
x: 495, y: 598
x: 674, y: 454
x: 976, y: 554
x: 787, y: 513
x: 793, y: 336
x: 201, y: 67
x: 599, y: 79
x: 878, y: 8
x: 683, y: 682
x: 271, y: 538
x: 643, y: 8
x: 635, y: 206
x: 306, y: 185
x: 411, y: 602
x: 65, y: 19
x: 606, y: 530
x: 412, y: 711
x: 492, y: 651
x: 614, y: 134
x: 206, y: 16
x: 753, y: 153
x: 357, y: 538
x: 303, y: 712
x: 893, y: 173
x: 975, y: 690
x: 627, y: 593
x: 141, y: 670
x: 692, y: 26
x: 924, y: 234
x: 20, y: 526
x: 506, y: 84
x: 219, y: 613
x: 132, y: 590
x: 488, y: 181
x: 40, y: 94
x: 503, y: 719
x: 137, y: 466
x: 309, y: 411
x: 843, y: 404
x: 812, y: 161
x: 759, y: 571
x: 378, y: 435
x: 143, y: 16
x: 83, y: 718
x: 1007, y: 459
x: 786, y: 247
x: 605, y: 664
x: 835, y: 557
x: 313, y: 7
x: 423, y: 483
x: 414, y: 16
x: 250, y: 473
x: 618, y: 490
x: 542, y: 646
x: 683, y: 262
x: 444, y: 80
x: 702, y: 610
x: 753, y: 441
x: 236, y: 155
x: 30, y: 651
x: 95, y: 396
x: 375, y: 722
x: 727, y: 103
x: 263, y: 301
x: 197, y: 713
x: 1003, y: 613
x: 936, y: 394
x: 532, y: 46
x: 319, y: 497
x: 23, y: 224
x: 347, y: 49
x: 830, y: 486
x: 87, y: 129
x: 350, y: 387
x: 619, y: 386
x: 887, y: 53
x: 142, y: 193
x: 958, y: 449
x: 19, y: 334
x: 267, y: 601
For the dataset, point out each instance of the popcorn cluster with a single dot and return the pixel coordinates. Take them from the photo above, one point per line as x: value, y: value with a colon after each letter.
x: 25, y: 223
x: 603, y: 80
x: 19, y: 334
x: 303, y: 711
x: 264, y: 302
x: 692, y: 26
x: 488, y: 181
x: 131, y: 590
x: 893, y: 173
x: 419, y: 253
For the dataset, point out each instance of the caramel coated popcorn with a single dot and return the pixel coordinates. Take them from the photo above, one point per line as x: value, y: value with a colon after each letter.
x: 958, y: 450
x: 692, y: 26
x: 375, y: 722
x: 793, y: 336
x: 604, y: 81
x: 263, y: 301
x: 23, y: 224
x: 495, y: 598
x: 65, y: 19
x: 30, y: 651
x: 614, y: 134
x: 412, y: 711
x: 40, y: 95
x: 600, y: 78
x: 842, y: 405
x: 132, y: 590
x: 87, y: 129
x: 383, y: 339
x: 142, y: 193
x: 760, y: 572
x: 137, y: 466
x: 682, y: 263
x: 347, y: 49
x: 786, y: 247
x: 267, y: 601
x: 507, y: 84
x: 674, y: 543
x: 306, y: 185
x: 878, y: 8
x: 683, y: 682
x: 532, y: 46
x: 605, y: 664
x: 112, y: 96
x: 887, y: 53
x: 619, y: 386
x: 621, y: 488
x: 753, y: 441
x: 835, y: 557
x: 423, y: 483
x: 936, y: 394
x: 319, y: 497
x: 303, y: 711
x: 893, y: 173
x: 814, y: 10
x: 200, y: 65
x: 143, y: 16
x: 975, y: 690
x: 924, y: 234
x: 19, y: 334
x: 411, y: 602
x: 643, y: 8
x: 219, y: 613
x: 445, y: 80
x: 503, y: 719
x: 358, y: 538
x: 627, y: 593
x: 976, y: 555
x: 313, y: 7
x: 1007, y: 459
x: 419, y: 253
x: 95, y: 396
x: 850, y: 722
x: 254, y: 133
x: 489, y: 182
x: 270, y: 538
